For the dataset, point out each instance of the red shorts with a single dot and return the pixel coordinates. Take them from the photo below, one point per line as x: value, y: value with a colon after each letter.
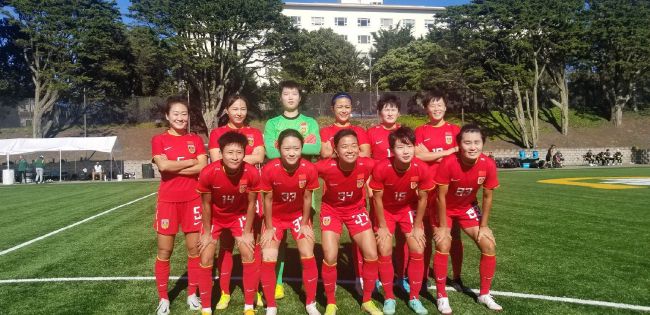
x: 465, y: 218
x: 169, y: 215
x: 356, y: 220
x: 234, y: 223
x: 293, y: 226
x: 404, y: 218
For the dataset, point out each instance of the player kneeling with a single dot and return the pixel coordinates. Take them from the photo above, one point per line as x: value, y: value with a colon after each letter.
x: 344, y: 202
x: 459, y: 178
x: 287, y: 187
x: 400, y: 184
x: 229, y: 191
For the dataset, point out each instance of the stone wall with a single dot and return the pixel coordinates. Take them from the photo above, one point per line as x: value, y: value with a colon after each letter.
x: 135, y: 166
x: 573, y: 156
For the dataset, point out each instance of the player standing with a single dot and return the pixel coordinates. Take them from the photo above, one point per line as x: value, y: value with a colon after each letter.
x: 179, y: 156
x: 235, y: 119
x: 459, y: 178
x: 343, y: 202
x: 287, y: 187
x: 228, y: 190
x: 400, y: 185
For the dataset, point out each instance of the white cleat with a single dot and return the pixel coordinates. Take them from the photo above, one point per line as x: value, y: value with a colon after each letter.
x: 163, y: 307
x: 193, y: 302
x: 271, y: 311
x: 488, y: 301
x: 311, y: 309
x: 443, y: 306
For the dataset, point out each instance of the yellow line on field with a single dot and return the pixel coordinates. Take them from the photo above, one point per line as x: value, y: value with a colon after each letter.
x: 577, y: 181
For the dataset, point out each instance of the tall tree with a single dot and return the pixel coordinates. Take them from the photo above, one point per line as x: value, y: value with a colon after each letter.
x: 390, y: 38
x: 217, y: 44
x: 151, y: 67
x: 15, y: 81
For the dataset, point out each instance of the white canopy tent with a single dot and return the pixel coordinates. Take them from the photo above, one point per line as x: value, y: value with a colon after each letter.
x: 10, y: 147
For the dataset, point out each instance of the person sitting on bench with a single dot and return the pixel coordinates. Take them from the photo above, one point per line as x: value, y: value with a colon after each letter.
x: 97, y: 170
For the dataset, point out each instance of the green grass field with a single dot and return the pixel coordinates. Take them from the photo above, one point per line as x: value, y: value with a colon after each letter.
x: 553, y: 240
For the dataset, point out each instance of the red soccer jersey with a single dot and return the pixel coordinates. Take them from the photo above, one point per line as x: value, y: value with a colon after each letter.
x: 327, y: 133
x: 437, y: 139
x: 464, y: 182
x: 378, y: 137
x: 344, y: 189
x: 176, y: 187
x: 401, y: 189
x: 288, y: 189
x: 229, y: 193
x: 253, y: 135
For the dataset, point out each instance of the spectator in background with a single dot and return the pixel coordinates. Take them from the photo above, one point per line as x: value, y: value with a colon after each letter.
x: 38, y: 166
x: 22, y: 168
x: 97, y: 170
x: 549, y: 156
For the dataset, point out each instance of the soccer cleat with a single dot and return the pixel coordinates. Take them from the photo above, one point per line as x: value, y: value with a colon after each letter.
x: 271, y: 311
x: 311, y: 309
x: 378, y: 285
x: 389, y: 307
x: 206, y: 311
x: 331, y: 309
x: 457, y: 284
x: 249, y: 312
x: 417, y: 307
x: 279, y: 292
x: 358, y: 286
x: 488, y: 301
x: 224, y: 300
x: 193, y: 302
x: 259, y: 301
x: 404, y: 284
x: 370, y: 308
x: 163, y: 307
x: 443, y: 306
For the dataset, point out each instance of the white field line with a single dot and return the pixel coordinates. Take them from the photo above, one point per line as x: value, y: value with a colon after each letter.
x: 287, y: 279
x: 9, y: 250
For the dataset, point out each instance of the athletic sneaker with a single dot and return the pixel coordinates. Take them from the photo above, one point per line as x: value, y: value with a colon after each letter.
x: 193, y: 302
x: 311, y: 309
x: 271, y: 311
x: 224, y: 300
x: 206, y: 311
x: 279, y: 291
x: 457, y: 284
x: 417, y: 307
x: 443, y: 306
x: 259, y: 302
x: 249, y: 312
x: 488, y: 301
x: 404, y: 284
x: 331, y: 309
x: 163, y: 307
x: 370, y: 308
x: 358, y: 286
x: 389, y: 307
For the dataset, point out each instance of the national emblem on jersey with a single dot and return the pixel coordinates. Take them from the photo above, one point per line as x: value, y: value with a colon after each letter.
x: 414, y: 182
x: 360, y: 180
x: 303, y: 128
x: 481, y: 177
x: 191, y: 147
x: 449, y: 138
x: 164, y: 223
x: 242, y: 186
x: 327, y: 220
x: 251, y: 141
x: 302, y: 181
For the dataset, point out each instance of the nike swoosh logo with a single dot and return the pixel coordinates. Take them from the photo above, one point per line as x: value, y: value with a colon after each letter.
x: 425, y: 140
x: 441, y: 279
x: 167, y: 148
x: 197, y: 223
x: 311, y: 280
x: 216, y: 187
x: 378, y: 142
x: 455, y: 180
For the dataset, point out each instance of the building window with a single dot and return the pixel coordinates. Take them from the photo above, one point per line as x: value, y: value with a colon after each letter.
x: 408, y: 22
x: 340, y: 21
x: 363, y: 22
x: 364, y: 39
x: 429, y: 24
x: 317, y: 20
x: 343, y: 37
x: 386, y: 23
x: 295, y: 20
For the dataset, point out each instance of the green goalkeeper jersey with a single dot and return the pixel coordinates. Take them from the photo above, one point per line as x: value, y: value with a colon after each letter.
x: 307, y: 126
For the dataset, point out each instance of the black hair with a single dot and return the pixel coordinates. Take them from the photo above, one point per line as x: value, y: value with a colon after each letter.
x: 388, y: 99
x: 290, y: 133
x: 231, y: 137
x: 470, y: 128
x: 340, y: 95
x: 343, y: 133
x: 403, y: 134
x: 224, y: 119
x: 290, y: 84
x: 175, y: 99
x: 428, y: 96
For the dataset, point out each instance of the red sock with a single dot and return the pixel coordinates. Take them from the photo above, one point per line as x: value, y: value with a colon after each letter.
x: 268, y: 282
x: 416, y: 271
x: 161, y: 271
x: 309, y: 278
x: 205, y: 285
x: 386, y: 274
x: 428, y: 253
x: 192, y: 274
x: 370, y: 273
x: 224, y: 262
x: 357, y: 260
x: 486, y: 269
x: 401, y: 255
x: 329, y: 282
x: 456, y: 254
x: 251, y: 280
x: 440, y: 272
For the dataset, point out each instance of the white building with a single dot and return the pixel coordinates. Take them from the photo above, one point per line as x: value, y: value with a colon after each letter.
x: 356, y: 20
